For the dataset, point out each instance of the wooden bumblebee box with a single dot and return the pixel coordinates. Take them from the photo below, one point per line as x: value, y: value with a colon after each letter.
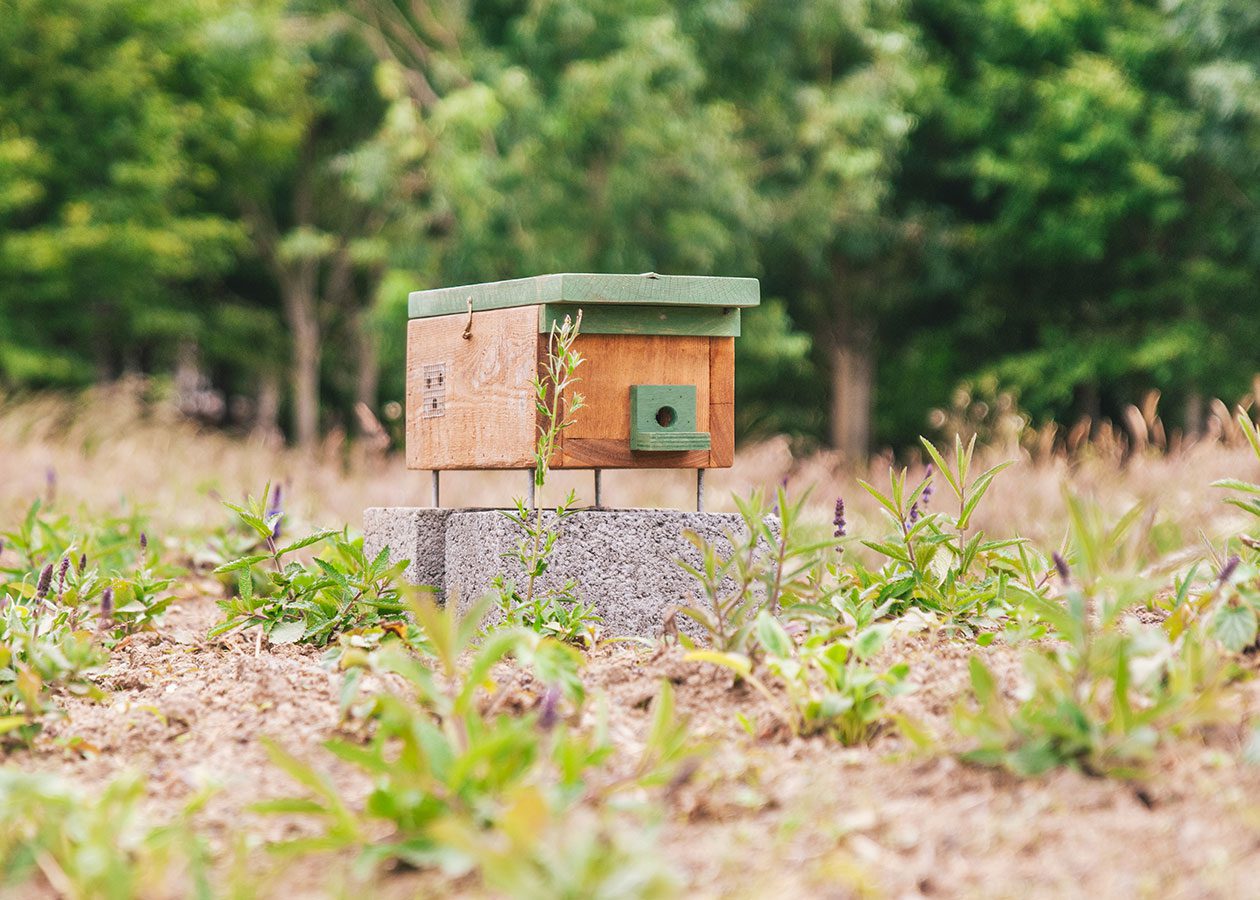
x: 658, y: 377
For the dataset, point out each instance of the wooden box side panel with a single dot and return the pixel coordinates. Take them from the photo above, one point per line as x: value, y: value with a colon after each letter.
x: 722, y: 402
x: 613, y: 363
x: 481, y: 415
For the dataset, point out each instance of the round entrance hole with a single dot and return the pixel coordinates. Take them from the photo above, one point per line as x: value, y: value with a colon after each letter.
x: 665, y: 416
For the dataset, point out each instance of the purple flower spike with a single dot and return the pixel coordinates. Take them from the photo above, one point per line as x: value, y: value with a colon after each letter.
x: 107, y: 604
x: 276, y: 509
x: 45, y: 582
x: 838, y: 519
x: 924, y: 497
x: 1227, y: 571
x: 1061, y: 565
x: 550, y: 714
x: 62, y: 571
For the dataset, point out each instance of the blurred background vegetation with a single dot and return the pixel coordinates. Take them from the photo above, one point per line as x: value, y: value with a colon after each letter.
x: 1048, y: 203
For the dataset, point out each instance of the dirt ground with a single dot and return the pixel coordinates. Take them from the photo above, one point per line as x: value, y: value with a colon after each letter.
x: 765, y: 815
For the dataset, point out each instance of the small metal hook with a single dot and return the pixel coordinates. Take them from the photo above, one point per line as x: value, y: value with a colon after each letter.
x: 468, y: 324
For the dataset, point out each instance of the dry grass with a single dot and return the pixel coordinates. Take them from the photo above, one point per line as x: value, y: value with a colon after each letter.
x: 112, y: 447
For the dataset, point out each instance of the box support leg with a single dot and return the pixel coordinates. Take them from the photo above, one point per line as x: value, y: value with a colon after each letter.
x: 437, y: 489
x: 599, y: 489
x: 699, y: 490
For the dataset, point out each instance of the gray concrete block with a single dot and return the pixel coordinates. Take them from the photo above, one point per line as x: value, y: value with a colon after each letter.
x: 410, y: 532
x: 622, y: 560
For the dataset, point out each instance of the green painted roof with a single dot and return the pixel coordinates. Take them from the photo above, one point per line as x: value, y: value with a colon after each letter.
x: 649, y: 288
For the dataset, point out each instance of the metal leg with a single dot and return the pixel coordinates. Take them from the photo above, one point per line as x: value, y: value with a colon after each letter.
x: 530, y: 472
x: 699, y: 490
x: 437, y: 489
x: 599, y: 489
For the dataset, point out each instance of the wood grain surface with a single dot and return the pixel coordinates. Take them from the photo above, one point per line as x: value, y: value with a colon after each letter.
x: 488, y: 420
x: 601, y: 435
x: 721, y: 402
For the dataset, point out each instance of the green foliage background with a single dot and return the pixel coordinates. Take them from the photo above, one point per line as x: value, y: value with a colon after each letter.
x: 1058, y: 196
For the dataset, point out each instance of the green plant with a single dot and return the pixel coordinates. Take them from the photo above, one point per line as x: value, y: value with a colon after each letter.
x: 112, y: 542
x: 1102, y: 696
x: 967, y: 582
x: 41, y: 655
x: 456, y: 781
x: 831, y: 686
x: 554, y: 611
x: 105, y: 576
x: 68, y: 593
x: 1231, y: 603
x: 54, y: 836
x: 289, y: 601
x: 772, y: 564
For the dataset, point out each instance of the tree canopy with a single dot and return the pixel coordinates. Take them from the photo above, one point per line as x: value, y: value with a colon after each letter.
x: 1056, y: 199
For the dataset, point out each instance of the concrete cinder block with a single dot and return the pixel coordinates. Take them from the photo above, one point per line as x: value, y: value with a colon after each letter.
x: 414, y: 533
x: 623, y: 560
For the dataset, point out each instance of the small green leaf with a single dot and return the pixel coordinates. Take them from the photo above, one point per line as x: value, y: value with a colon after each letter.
x: 11, y: 723
x: 1235, y: 627
x: 982, y: 682
x: 245, y: 562
x: 1234, y: 484
x: 866, y: 644
x: 287, y: 632
x: 736, y: 662
x: 307, y: 541
x: 772, y: 635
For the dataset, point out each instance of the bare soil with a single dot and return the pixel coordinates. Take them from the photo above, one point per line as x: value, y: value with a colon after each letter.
x: 765, y: 815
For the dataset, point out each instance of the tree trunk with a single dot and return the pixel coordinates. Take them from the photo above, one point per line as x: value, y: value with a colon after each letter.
x: 367, y: 382
x: 267, y: 409
x: 852, y: 341
x: 302, y: 316
x: 852, y: 379
x: 1195, y: 414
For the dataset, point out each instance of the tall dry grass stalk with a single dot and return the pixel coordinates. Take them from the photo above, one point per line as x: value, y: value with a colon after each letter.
x: 111, y: 447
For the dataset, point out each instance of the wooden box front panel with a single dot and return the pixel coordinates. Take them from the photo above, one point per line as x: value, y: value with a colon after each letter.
x: 613, y: 363
x: 470, y: 401
x: 721, y: 402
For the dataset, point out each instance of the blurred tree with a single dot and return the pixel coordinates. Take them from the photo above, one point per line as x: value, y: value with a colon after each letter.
x: 317, y: 185
x: 564, y: 135
x: 822, y: 91
x: 1061, y: 153
x: 1218, y: 42
x: 1056, y: 196
x: 108, y: 241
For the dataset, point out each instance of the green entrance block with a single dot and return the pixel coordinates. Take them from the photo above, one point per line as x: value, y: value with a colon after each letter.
x: 663, y: 418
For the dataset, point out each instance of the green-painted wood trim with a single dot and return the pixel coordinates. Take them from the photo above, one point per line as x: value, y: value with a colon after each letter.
x: 646, y: 433
x: 699, y: 321
x: 589, y: 289
x: 670, y: 441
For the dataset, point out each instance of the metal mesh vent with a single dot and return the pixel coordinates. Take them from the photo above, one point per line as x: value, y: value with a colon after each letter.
x: 433, y: 391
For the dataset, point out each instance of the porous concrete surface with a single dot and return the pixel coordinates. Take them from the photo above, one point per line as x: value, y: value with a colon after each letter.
x: 624, y: 561
x: 412, y: 533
